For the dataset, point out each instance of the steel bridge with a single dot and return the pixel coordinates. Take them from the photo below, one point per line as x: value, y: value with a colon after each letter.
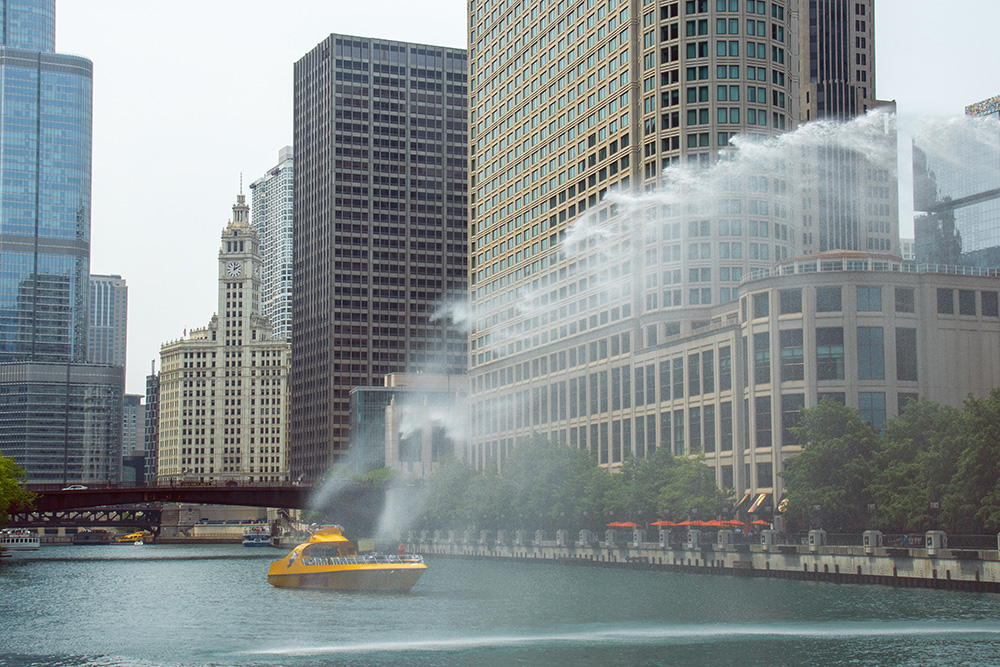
x: 115, y: 505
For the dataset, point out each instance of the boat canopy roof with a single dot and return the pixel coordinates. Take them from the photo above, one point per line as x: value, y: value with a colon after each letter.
x: 329, y: 534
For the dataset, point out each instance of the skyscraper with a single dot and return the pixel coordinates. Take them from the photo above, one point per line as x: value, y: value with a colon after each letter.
x: 222, y: 403
x: 380, y: 228
x: 59, y: 417
x: 271, y: 215
x: 45, y: 122
x: 956, y: 186
x: 851, y: 200
x: 108, y: 320
x: 570, y: 103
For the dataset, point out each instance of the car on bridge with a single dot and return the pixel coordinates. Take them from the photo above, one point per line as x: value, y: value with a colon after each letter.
x: 75, y: 487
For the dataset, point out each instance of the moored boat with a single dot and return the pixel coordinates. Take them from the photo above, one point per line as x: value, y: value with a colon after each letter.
x: 257, y: 536
x: 137, y: 538
x: 329, y: 560
x: 92, y: 537
x: 19, y: 539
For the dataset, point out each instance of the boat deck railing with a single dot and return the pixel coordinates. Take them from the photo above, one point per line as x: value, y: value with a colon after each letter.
x: 368, y: 559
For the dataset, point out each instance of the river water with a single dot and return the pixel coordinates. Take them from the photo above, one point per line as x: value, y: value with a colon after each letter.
x: 179, y: 605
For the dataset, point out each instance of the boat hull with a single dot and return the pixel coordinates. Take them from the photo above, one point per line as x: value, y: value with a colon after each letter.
x: 400, y: 577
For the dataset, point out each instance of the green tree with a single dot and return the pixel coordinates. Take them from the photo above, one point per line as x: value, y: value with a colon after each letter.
x: 972, y: 500
x: 446, y: 503
x: 662, y: 483
x: 11, y: 491
x: 914, y: 465
x: 833, y: 471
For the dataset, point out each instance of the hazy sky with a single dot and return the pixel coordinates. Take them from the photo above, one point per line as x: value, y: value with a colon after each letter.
x: 190, y: 94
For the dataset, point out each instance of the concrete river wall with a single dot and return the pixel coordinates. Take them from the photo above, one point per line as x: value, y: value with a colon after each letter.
x: 931, y: 565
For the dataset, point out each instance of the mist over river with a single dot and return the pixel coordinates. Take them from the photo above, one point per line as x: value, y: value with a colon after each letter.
x: 211, y: 605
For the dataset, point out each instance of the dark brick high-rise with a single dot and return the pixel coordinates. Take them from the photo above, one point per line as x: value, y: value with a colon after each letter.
x: 380, y: 231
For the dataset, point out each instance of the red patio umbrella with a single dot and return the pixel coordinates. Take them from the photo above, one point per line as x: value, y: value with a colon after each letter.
x: 663, y: 523
x: 628, y: 524
x: 614, y: 524
x: 761, y: 522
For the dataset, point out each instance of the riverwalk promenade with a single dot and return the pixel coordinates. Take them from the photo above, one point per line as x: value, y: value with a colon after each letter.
x: 925, y: 562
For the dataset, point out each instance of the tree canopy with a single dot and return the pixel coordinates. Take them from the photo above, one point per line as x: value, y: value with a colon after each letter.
x: 11, y: 491
x: 547, y: 485
x: 932, y: 467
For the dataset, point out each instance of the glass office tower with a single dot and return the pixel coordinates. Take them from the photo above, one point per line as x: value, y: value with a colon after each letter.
x: 45, y: 125
x: 59, y: 416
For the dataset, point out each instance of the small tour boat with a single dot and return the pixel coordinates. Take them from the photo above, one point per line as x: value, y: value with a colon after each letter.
x: 19, y: 539
x: 137, y: 538
x: 257, y: 536
x: 330, y: 560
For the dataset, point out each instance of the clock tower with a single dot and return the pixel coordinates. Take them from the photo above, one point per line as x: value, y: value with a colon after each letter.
x: 239, y: 278
x: 223, y: 388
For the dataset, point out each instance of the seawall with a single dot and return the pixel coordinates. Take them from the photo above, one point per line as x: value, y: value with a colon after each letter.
x: 929, y: 566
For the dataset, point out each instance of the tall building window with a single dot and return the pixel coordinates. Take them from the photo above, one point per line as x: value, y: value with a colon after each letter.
x: 762, y: 421
x: 904, y: 300
x: 871, y: 362
x: 761, y: 358
x: 990, y: 304
x: 906, y: 354
x: 869, y: 299
x: 765, y: 475
x: 791, y: 412
x: 830, y: 353
x: 725, y: 369
x: 761, y: 305
x: 678, y: 433
x: 792, y: 355
x: 725, y: 426
x: 791, y: 301
x: 828, y: 299
x: 966, y: 302
x: 708, y: 371
x: 694, y: 431
x: 871, y: 408
x: 694, y: 375
x: 708, y: 428
x: 945, y: 301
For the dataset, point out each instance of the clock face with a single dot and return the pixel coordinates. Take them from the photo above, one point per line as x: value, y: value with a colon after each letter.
x: 234, y: 269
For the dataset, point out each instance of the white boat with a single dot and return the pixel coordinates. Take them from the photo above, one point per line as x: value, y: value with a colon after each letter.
x: 257, y: 536
x: 19, y: 539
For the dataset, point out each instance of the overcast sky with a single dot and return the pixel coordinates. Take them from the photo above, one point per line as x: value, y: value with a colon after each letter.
x: 190, y: 94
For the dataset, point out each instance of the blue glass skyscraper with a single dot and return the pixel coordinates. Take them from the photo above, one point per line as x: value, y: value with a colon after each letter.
x: 45, y: 155
x: 60, y: 417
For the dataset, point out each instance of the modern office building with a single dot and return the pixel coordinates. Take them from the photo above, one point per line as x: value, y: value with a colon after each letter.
x: 108, y: 320
x: 223, y: 389
x: 45, y: 122
x: 380, y: 232
x: 576, y: 111
x: 151, y: 435
x: 849, y: 196
x: 271, y: 215
x: 59, y: 417
x: 615, y: 224
x: 837, y: 58
x: 956, y: 188
x: 133, y: 425
x: 407, y: 424
x: 62, y: 422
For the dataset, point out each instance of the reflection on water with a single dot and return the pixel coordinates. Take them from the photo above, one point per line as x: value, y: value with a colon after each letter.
x: 200, y: 605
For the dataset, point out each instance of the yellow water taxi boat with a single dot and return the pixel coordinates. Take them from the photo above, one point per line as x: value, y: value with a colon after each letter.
x: 330, y: 560
x: 135, y: 538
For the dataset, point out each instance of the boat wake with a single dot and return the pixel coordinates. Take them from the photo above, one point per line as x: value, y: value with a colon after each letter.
x: 655, y: 635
